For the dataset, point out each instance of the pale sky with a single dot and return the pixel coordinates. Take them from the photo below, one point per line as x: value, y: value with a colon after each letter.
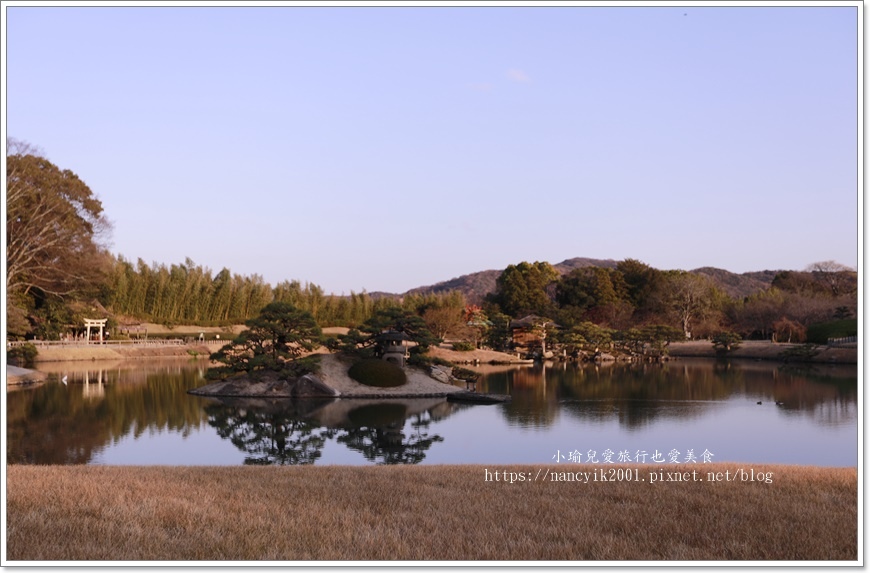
x: 382, y: 149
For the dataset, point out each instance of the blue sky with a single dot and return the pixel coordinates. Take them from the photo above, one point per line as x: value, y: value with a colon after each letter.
x: 382, y: 149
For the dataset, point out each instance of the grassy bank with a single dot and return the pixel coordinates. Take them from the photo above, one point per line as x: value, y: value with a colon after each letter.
x: 112, y: 352
x: 414, y: 513
x: 766, y: 350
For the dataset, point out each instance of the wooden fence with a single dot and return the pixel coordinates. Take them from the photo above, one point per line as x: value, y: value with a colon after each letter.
x: 85, y: 343
x: 157, y: 342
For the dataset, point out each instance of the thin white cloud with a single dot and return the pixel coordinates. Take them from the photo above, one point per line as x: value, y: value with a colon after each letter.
x: 518, y: 76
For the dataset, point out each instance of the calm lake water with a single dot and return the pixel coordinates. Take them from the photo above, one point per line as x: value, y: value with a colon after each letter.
x: 139, y: 413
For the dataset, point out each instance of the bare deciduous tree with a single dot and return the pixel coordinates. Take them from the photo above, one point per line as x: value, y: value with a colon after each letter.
x: 832, y: 273
x: 18, y: 147
x: 443, y: 321
x: 54, y: 226
x: 690, y: 297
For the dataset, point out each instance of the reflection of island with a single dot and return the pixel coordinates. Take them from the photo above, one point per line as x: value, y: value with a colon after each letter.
x: 63, y: 424
x: 295, y: 431
x: 377, y: 431
x: 269, y: 433
x: 636, y: 394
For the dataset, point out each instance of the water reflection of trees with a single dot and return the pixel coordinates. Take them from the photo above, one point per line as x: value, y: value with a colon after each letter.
x: 295, y: 432
x: 378, y: 433
x: 268, y: 436
x: 636, y: 394
x: 533, y: 399
x: 57, y: 424
x: 41, y: 428
x: 70, y: 424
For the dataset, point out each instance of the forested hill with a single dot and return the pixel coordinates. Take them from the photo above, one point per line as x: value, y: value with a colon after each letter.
x: 476, y: 286
x: 738, y: 286
x: 569, y: 265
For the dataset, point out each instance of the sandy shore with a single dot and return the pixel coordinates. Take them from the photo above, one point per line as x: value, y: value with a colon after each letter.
x: 23, y: 377
x: 445, y: 352
x: 333, y: 373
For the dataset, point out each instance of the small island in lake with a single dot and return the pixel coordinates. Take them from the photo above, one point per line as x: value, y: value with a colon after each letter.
x: 275, y: 357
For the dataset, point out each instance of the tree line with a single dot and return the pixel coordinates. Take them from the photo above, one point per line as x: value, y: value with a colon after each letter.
x: 59, y: 270
x: 635, y: 295
x: 632, y: 295
x: 189, y: 293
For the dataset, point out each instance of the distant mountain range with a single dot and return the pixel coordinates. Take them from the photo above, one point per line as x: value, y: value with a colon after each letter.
x: 476, y: 286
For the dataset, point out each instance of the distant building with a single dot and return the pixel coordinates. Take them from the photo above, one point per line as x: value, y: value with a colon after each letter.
x: 531, y: 331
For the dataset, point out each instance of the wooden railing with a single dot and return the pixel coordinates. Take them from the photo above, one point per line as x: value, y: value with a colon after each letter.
x: 154, y: 342
x: 85, y: 343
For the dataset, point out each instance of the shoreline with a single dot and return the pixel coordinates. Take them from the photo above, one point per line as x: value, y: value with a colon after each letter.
x: 19, y: 378
x: 749, y: 349
x: 768, y: 351
x: 103, y: 352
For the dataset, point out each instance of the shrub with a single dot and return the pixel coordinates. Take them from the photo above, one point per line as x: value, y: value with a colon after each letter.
x: 160, y: 335
x: 463, y: 346
x: 23, y: 355
x: 819, y: 333
x: 424, y: 360
x: 375, y: 372
x: 785, y: 330
x: 726, y: 341
x: 465, y: 374
x: 305, y: 365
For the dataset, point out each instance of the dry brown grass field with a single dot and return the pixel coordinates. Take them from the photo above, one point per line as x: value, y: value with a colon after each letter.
x: 424, y: 513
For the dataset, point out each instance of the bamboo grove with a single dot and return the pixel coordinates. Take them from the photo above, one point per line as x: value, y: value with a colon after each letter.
x: 188, y: 293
